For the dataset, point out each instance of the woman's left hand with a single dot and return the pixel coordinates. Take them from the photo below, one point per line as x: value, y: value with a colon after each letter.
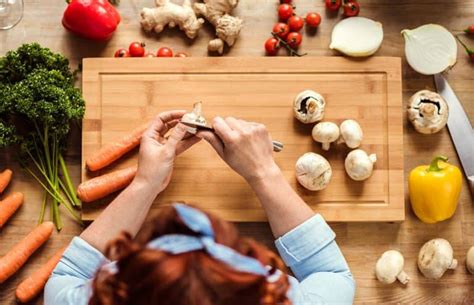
x: 157, y: 154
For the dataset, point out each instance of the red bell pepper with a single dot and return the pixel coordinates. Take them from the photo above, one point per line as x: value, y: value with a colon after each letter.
x: 92, y: 19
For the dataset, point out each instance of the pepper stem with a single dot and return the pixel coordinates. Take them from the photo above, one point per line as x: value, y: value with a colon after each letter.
x: 434, y: 164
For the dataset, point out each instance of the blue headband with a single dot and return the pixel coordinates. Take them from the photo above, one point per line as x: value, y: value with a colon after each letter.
x: 199, y: 223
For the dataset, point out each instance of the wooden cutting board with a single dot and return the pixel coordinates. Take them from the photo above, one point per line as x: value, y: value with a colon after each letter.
x: 123, y: 93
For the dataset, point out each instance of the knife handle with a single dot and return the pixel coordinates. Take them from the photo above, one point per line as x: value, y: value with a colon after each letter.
x: 470, y: 181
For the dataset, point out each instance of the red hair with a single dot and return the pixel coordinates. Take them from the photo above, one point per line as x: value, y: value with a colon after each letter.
x: 153, y: 277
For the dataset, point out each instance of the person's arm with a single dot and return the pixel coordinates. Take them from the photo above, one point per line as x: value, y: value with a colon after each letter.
x: 304, y: 240
x: 127, y: 212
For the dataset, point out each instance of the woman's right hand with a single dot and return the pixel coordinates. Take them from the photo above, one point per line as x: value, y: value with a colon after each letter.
x: 245, y: 146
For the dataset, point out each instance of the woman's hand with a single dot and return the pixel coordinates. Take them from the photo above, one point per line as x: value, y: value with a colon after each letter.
x: 245, y: 146
x: 157, y: 154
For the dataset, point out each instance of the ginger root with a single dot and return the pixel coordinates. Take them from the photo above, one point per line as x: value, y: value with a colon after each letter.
x: 170, y: 14
x: 228, y: 27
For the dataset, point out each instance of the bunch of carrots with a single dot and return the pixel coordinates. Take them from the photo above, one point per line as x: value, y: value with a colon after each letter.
x: 17, y: 256
x: 101, y: 186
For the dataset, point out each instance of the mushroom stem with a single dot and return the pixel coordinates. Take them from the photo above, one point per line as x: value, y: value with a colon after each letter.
x: 454, y: 264
x: 373, y: 158
x: 427, y: 109
x: 326, y: 145
x: 312, y: 107
x: 403, y: 277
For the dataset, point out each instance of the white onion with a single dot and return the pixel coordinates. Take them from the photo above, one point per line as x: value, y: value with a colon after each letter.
x: 357, y: 36
x: 430, y: 48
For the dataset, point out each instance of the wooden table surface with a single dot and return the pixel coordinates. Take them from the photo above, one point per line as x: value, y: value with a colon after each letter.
x: 361, y: 243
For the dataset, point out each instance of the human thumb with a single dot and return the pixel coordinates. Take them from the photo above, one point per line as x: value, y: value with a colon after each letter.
x: 176, y: 136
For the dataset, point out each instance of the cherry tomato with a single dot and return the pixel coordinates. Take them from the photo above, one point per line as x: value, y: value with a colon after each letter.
x: 351, y: 9
x: 296, y: 23
x: 285, y: 1
x: 281, y: 29
x: 333, y: 5
x: 149, y: 54
x: 164, y: 52
x: 285, y: 11
x: 313, y: 20
x: 294, y: 39
x: 181, y: 54
x: 137, y: 49
x: 122, y: 53
x: 271, y: 46
x: 469, y: 29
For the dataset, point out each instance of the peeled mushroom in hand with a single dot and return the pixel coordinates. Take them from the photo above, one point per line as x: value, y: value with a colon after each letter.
x: 435, y: 257
x: 428, y: 111
x: 359, y: 165
x: 389, y: 268
x: 351, y: 133
x: 194, y: 117
x: 325, y: 133
x: 470, y: 260
x: 308, y: 106
x: 313, y: 171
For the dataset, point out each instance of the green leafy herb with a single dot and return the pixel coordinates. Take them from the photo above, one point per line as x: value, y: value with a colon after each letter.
x: 39, y: 103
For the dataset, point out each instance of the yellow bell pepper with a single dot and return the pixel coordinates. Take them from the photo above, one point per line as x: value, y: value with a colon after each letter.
x: 434, y: 190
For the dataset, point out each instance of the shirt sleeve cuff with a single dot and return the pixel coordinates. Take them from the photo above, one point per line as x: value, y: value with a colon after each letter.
x: 305, y: 240
x: 83, y: 258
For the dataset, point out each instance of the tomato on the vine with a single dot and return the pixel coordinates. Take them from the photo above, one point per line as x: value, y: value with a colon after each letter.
x: 296, y: 23
x: 164, y: 52
x: 294, y: 39
x: 351, y: 9
x: 285, y: 11
x: 122, y: 53
x: 271, y: 46
x: 286, y: 1
x: 181, y: 54
x: 281, y: 29
x: 136, y: 49
x: 313, y: 20
x: 333, y: 5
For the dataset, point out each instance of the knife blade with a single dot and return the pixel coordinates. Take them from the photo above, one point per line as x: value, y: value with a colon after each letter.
x: 460, y: 128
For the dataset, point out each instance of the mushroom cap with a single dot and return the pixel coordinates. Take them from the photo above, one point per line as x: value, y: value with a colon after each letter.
x: 325, y: 132
x: 435, y: 257
x: 308, y: 106
x: 359, y: 165
x: 194, y: 117
x: 470, y: 260
x: 313, y: 171
x: 428, y: 111
x: 389, y: 266
x: 351, y: 133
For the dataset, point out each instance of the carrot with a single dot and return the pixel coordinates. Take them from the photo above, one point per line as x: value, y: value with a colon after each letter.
x: 104, y: 185
x: 5, y: 178
x: 9, y: 205
x: 19, y: 254
x: 113, y: 151
x: 30, y: 287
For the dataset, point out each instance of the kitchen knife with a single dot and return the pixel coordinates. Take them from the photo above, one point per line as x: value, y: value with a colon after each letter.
x: 460, y: 129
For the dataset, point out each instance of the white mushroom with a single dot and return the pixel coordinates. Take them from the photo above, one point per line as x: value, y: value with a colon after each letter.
x: 470, y: 260
x: 325, y: 133
x: 313, y: 171
x: 308, y: 106
x: 359, y: 165
x: 428, y: 111
x: 389, y: 268
x: 435, y: 257
x: 351, y: 133
x: 194, y: 117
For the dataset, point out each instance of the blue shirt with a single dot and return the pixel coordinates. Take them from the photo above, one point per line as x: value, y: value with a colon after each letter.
x: 322, y: 275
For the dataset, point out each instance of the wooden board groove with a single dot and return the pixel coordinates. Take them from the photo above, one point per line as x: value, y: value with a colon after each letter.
x: 122, y: 93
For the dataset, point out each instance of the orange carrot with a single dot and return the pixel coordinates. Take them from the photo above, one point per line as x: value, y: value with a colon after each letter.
x: 35, y: 282
x: 5, y: 178
x: 19, y: 254
x: 113, y: 151
x: 9, y: 205
x: 102, y: 186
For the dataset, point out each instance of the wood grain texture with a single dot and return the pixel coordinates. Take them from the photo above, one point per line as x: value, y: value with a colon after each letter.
x: 361, y: 243
x: 261, y: 90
